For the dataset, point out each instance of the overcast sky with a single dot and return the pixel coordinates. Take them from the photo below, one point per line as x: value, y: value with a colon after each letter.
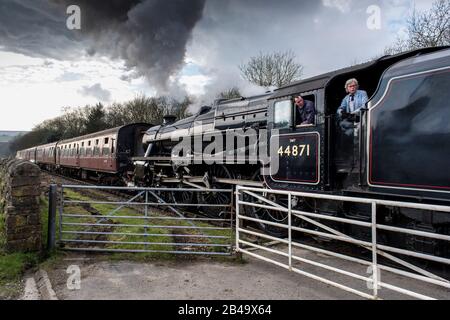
x: 127, y: 47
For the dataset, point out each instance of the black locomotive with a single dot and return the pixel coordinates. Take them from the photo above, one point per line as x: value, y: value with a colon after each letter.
x: 397, y: 147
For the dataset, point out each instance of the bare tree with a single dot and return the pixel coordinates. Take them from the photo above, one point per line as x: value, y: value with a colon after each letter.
x: 425, y: 29
x: 74, y: 122
x: 231, y: 93
x: 272, y: 69
x: 180, y: 109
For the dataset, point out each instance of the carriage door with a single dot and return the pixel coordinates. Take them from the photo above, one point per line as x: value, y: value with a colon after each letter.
x: 113, y: 155
x: 58, y: 156
x: 108, y: 149
x: 78, y: 156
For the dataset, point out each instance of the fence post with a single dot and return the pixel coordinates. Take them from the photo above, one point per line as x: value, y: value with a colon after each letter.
x: 146, y: 220
x: 51, y: 233
x: 374, y: 251
x: 238, y: 223
x: 290, y: 229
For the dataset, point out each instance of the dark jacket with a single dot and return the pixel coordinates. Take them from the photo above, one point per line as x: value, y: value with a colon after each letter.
x: 306, y: 114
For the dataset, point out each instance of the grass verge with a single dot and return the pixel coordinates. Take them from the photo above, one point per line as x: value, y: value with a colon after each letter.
x: 14, y: 265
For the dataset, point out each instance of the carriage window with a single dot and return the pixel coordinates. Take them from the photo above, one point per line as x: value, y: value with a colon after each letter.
x: 106, y: 140
x: 283, y: 114
x: 105, y: 151
x: 89, y: 143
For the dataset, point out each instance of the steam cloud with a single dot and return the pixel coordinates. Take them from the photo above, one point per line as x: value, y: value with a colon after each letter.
x: 150, y: 35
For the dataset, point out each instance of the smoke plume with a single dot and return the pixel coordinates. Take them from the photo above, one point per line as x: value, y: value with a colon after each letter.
x: 150, y: 35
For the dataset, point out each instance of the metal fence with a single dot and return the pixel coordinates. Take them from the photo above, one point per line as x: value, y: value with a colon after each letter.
x: 141, y: 220
x: 258, y: 198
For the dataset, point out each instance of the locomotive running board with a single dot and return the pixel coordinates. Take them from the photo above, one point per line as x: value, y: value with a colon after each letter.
x: 337, y: 233
x: 236, y: 182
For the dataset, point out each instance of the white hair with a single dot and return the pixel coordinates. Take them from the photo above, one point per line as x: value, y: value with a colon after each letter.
x: 350, y: 81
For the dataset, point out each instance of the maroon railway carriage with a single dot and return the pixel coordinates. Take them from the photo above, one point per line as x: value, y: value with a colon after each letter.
x: 45, y: 155
x: 27, y: 154
x: 102, y: 155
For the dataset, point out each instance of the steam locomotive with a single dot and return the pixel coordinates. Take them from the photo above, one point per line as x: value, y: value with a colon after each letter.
x: 396, y: 148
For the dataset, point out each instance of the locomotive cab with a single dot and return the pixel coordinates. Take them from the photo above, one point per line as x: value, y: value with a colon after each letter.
x: 336, y: 154
x: 295, y: 148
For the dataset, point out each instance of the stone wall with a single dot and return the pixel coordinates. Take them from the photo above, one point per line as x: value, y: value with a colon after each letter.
x: 19, y: 205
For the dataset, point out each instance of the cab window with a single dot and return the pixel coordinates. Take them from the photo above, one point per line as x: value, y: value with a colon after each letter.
x: 305, y: 115
x: 283, y: 114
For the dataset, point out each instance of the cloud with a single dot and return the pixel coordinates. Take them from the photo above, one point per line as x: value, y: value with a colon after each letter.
x: 233, y: 31
x: 149, y: 35
x: 70, y: 76
x: 192, y: 46
x: 342, y: 5
x: 36, y: 28
x: 96, y: 91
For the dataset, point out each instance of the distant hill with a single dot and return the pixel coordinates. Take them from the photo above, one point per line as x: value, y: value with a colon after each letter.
x: 5, y: 138
x: 9, y: 135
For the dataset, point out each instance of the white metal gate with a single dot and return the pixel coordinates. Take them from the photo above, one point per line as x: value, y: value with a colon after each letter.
x: 247, y: 197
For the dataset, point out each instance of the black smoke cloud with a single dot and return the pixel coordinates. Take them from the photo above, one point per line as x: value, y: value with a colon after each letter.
x: 149, y: 35
x: 36, y: 28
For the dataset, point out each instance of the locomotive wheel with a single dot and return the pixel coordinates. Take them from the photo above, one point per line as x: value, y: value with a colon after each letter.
x: 266, y: 214
x: 166, y: 196
x: 216, y: 198
x: 181, y: 197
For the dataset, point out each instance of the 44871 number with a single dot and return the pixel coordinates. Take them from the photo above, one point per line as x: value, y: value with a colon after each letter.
x: 295, y: 151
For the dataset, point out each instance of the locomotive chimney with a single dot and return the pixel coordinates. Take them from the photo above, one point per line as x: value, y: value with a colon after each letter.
x: 169, y: 119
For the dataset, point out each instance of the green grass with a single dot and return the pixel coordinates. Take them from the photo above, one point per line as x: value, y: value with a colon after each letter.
x: 13, y: 265
x: 12, y: 268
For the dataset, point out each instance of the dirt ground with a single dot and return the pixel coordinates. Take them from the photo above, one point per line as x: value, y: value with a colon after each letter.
x: 206, y: 279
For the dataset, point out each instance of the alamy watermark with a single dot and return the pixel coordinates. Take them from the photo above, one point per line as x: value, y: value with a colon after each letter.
x: 204, y: 145
x: 74, y: 20
x: 374, y: 19
x: 371, y: 281
x: 74, y: 280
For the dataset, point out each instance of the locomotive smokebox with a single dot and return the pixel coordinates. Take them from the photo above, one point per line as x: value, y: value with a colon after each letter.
x: 169, y: 119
